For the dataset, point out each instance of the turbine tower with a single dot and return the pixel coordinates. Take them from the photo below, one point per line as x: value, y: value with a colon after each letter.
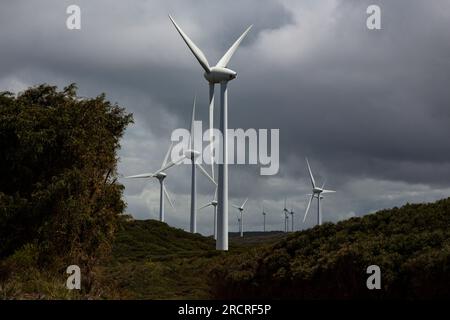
x: 241, y: 219
x: 316, y: 193
x: 286, y: 217
x: 160, y: 175
x: 292, y: 219
x: 218, y: 74
x: 239, y: 222
x: 264, y: 219
x: 213, y: 203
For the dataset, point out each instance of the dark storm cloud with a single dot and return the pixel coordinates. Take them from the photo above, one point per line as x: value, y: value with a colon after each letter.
x: 369, y: 108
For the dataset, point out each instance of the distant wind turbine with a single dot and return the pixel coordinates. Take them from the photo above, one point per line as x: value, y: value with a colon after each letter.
x: 317, y: 193
x: 292, y: 218
x: 264, y: 218
x: 160, y: 175
x: 286, y: 217
x: 218, y: 74
x: 213, y: 203
x: 192, y: 155
x: 241, y: 219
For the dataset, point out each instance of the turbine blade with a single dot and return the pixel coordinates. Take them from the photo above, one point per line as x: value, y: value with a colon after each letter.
x: 328, y: 191
x: 205, y: 172
x: 307, y: 208
x: 143, y: 175
x: 223, y: 62
x: 205, y: 206
x: 167, y: 155
x: 215, y: 192
x: 244, y: 202
x: 168, y: 197
x: 235, y: 206
x: 191, y: 131
x: 323, y: 185
x: 310, y: 174
x: 199, y: 55
x: 171, y: 164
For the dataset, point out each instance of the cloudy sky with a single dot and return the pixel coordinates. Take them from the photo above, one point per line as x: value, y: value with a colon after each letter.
x: 370, y: 109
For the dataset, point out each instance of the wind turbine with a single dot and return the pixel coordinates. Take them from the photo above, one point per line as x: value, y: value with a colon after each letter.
x: 213, y: 203
x: 160, y: 175
x: 317, y: 193
x: 218, y: 74
x: 241, y: 219
x: 264, y: 217
x: 286, y: 217
x: 192, y: 155
x: 292, y: 218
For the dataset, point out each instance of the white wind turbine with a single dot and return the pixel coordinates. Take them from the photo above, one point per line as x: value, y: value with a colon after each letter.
x: 264, y: 219
x: 192, y: 154
x: 292, y: 218
x: 317, y: 193
x: 218, y: 74
x: 213, y: 203
x: 241, y: 219
x: 286, y: 217
x: 160, y: 175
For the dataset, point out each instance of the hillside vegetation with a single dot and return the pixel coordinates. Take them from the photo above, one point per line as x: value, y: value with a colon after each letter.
x: 151, y: 260
x: 411, y: 245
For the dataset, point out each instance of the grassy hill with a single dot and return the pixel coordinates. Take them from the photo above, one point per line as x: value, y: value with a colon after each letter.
x: 151, y: 260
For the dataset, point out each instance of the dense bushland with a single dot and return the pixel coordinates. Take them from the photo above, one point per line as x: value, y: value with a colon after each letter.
x: 411, y: 245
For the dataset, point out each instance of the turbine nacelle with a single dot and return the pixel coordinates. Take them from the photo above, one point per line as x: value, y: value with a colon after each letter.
x: 241, y: 208
x: 191, y: 154
x: 160, y: 176
x: 317, y: 190
x: 219, y: 74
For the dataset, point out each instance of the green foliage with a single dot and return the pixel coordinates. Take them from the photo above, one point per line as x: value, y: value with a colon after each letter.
x: 411, y: 245
x: 151, y: 260
x: 140, y: 239
x: 58, y: 189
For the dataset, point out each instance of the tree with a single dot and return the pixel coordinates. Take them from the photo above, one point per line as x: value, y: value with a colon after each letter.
x: 58, y: 187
